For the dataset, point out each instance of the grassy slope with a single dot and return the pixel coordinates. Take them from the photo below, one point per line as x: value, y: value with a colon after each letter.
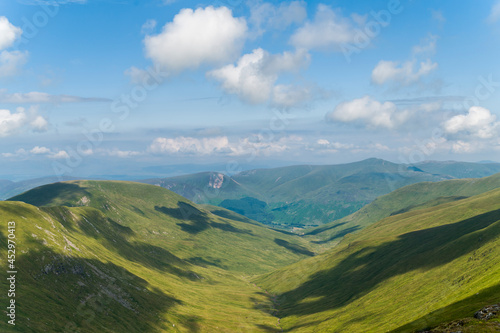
x: 407, y: 272
x: 303, y: 195
x: 408, y: 198
x: 137, y: 258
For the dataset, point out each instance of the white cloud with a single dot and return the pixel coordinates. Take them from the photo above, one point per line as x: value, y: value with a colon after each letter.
x: 427, y: 46
x: 40, y: 150
x: 61, y: 154
x: 190, y: 145
x: 478, y: 122
x: 495, y: 13
x: 438, y: 16
x: 13, y: 122
x: 370, y: 112
x: 268, y: 16
x: 462, y: 147
x: 254, y: 76
x: 123, y: 153
x: 405, y: 73
x: 252, y: 145
x: 289, y: 96
x: 204, y: 36
x: 35, y: 97
x: 148, y: 26
x: 329, y: 30
x: 10, y: 62
x: 8, y: 33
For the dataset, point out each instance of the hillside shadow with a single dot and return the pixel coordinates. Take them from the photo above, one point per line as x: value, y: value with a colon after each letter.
x: 324, y: 228
x: 198, y: 220
x: 84, y: 294
x: 362, y: 271
x: 67, y: 194
x: 117, y: 237
x: 295, y: 248
x: 338, y: 235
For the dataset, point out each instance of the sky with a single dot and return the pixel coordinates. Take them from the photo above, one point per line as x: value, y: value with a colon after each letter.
x: 132, y: 88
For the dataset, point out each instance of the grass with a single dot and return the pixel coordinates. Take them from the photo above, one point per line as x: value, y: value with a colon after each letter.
x: 405, y: 273
x: 119, y: 256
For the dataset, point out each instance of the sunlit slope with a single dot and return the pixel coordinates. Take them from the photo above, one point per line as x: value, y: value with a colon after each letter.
x: 407, y: 272
x: 408, y: 198
x: 130, y: 257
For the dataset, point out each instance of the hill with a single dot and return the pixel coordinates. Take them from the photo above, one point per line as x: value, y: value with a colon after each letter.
x: 9, y: 189
x: 460, y: 169
x: 97, y: 256
x: 402, y: 200
x: 408, y: 272
x: 298, y: 196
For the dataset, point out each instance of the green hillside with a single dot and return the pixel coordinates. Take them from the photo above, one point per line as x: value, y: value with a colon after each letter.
x: 407, y: 272
x: 402, y: 200
x: 127, y: 257
x: 298, y: 196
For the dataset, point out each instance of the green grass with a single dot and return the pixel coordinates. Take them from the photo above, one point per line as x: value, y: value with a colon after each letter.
x: 120, y: 256
x: 405, y: 273
x: 408, y: 198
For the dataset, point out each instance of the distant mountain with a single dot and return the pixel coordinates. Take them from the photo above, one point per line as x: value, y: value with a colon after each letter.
x: 9, y: 189
x: 408, y: 198
x: 460, y: 169
x: 101, y: 256
x: 298, y: 196
x: 409, y: 272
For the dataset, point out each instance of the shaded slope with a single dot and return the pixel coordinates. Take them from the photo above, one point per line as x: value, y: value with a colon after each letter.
x: 398, y: 270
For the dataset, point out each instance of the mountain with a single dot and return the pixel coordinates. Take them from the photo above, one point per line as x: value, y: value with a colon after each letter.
x: 97, y: 256
x: 460, y: 169
x: 408, y: 198
x: 9, y: 189
x: 406, y: 273
x: 298, y: 196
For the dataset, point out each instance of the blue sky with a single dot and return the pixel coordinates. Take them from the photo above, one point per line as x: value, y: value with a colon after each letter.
x: 102, y: 87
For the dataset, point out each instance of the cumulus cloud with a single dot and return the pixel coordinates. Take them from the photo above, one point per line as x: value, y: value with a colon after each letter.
x: 268, y: 16
x: 190, y: 145
x: 495, y: 13
x: 478, y: 122
x: 328, y: 31
x: 13, y: 122
x: 254, y: 76
x: 8, y: 33
x: 368, y: 111
x: 254, y: 145
x: 36, y: 97
x: 203, y: 36
x: 405, y: 73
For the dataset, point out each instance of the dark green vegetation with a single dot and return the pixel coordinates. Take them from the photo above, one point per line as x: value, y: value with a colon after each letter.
x: 407, y: 272
x: 298, y: 196
x: 129, y: 257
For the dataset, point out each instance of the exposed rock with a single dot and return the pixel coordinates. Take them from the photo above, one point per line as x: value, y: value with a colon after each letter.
x: 488, y: 312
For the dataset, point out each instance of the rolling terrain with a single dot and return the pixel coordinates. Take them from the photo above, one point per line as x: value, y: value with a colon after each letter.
x: 406, y: 273
x: 118, y: 256
x: 298, y: 196
x: 408, y: 198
